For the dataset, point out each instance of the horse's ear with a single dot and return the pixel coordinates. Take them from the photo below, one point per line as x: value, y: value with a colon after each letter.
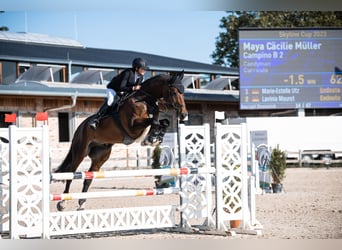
x: 181, y: 75
x: 178, y: 76
x: 173, y: 79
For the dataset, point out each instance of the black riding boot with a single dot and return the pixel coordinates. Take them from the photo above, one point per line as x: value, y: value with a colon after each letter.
x: 100, y: 113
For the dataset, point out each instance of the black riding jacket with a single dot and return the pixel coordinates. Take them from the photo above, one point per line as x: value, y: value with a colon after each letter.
x: 124, y: 82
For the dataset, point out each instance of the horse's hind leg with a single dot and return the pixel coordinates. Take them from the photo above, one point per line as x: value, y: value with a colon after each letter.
x: 61, y: 204
x: 98, y: 154
x: 75, y: 162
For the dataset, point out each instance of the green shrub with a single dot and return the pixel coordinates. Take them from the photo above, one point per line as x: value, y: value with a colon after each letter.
x: 156, y: 157
x: 278, y: 164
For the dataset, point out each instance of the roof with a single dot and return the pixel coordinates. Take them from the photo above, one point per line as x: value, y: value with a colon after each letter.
x: 43, y: 49
x: 38, y: 39
x: 33, y: 88
x: 65, y: 53
x: 204, y: 95
x: 220, y: 83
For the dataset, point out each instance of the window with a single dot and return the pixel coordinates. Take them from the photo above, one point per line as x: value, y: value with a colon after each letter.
x: 148, y: 74
x: 63, y: 127
x: 75, y: 71
x: 9, y: 72
x: 204, y: 79
x: 58, y: 76
x: 93, y: 76
x: 194, y: 119
x: 109, y: 76
x: 158, y: 73
x: 23, y: 67
x: 41, y: 72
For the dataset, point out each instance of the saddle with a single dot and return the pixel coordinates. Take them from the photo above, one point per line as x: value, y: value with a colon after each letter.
x: 113, y: 112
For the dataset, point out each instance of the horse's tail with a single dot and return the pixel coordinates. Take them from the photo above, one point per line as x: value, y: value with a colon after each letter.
x: 76, y: 140
x: 65, y: 166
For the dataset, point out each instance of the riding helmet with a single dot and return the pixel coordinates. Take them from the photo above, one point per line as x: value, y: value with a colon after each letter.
x: 139, y: 63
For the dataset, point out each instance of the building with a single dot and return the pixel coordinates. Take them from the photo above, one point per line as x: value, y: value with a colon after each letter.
x: 43, y: 75
x: 39, y: 73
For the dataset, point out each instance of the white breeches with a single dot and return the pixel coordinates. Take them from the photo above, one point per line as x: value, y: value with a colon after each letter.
x: 110, y: 96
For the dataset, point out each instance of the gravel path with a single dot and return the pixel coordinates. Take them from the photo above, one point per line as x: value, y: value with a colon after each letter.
x: 309, y: 208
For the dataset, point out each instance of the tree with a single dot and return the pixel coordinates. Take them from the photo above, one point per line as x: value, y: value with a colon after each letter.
x: 227, y: 44
x: 3, y: 28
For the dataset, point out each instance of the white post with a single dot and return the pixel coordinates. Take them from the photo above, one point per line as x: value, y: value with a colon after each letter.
x: 301, y: 112
x: 244, y: 182
x: 13, y: 208
x: 29, y: 161
x: 45, y: 183
x: 252, y: 206
x: 182, y: 155
x: 208, y: 185
x: 218, y: 190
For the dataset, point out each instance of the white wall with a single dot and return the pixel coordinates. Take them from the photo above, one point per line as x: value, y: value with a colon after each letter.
x: 300, y: 133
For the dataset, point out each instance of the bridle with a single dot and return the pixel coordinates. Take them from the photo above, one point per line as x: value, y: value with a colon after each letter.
x: 169, y: 103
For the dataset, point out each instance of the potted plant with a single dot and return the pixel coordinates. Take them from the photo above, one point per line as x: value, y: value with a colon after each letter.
x: 156, y: 163
x: 277, y: 169
x: 162, y: 159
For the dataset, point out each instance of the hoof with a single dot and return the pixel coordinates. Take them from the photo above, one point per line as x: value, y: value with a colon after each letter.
x: 81, y: 204
x: 60, y: 206
x: 145, y: 143
x: 155, y: 143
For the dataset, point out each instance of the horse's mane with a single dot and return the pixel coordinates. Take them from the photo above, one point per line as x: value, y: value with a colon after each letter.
x: 175, y: 82
x: 151, y: 79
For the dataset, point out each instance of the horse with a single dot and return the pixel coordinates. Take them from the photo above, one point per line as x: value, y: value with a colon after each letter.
x: 127, y: 124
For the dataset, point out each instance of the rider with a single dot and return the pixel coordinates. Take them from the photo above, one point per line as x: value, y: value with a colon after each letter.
x: 127, y: 81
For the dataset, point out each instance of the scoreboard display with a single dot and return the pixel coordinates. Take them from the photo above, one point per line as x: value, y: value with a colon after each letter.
x: 290, y: 68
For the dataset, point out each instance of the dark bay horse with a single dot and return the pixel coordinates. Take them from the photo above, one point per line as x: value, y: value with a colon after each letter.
x: 134, y: 122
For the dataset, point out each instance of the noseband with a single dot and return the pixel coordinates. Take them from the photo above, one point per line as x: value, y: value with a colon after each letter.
x: 169, y: 102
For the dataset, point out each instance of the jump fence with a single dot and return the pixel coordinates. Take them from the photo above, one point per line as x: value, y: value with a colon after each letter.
x: 131, y: 173
x: 119, y: 193
x: 26, y: 199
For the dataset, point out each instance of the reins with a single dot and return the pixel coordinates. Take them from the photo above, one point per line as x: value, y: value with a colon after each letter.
x: 152, y: 98
x: 148, y: 95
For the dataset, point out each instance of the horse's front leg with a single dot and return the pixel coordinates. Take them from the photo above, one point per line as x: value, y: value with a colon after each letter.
x: 152, y: 137
x: 164, y: 124
x: 157, y: 133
